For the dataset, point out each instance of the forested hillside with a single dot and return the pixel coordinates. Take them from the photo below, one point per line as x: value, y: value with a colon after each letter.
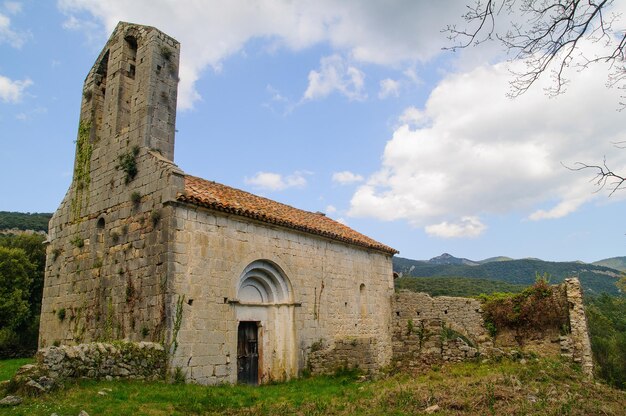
x: 456, y: 286
x: 617, y: 263
x: 24, y: 221
x: 595, y: 279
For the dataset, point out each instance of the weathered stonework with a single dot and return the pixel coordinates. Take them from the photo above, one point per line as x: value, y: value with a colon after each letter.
x: 427, y: 330
x: 337, y: 292
x: 237, y: 288
x: 119, y: 360
x: 356, y: 353
x: 106, y: 266
x: 128, y: 259
x: 579, y: 332
x: 129, y: 360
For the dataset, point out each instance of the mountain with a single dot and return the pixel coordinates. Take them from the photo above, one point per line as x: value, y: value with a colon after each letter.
x: 446, y: 258
x: 494, y: 259
x: 594, y: 279
x: 617, y: 263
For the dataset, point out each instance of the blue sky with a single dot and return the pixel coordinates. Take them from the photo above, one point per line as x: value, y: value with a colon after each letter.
x: 349, y: 108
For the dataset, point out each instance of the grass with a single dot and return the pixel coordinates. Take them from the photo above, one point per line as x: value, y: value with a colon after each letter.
x: 542, y: 387
x: 10, y: 366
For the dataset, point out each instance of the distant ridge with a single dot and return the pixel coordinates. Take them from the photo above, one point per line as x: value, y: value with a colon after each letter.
x: 617, y: 263
x: 595, y: 279
x: 446, y: 258
x: 494, y: 259
x: 24, y: 221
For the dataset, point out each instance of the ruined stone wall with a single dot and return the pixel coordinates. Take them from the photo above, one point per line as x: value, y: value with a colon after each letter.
x: 107, y: 261
x: 119, y: 360
x: 327, y: 303
x: 130, y: 360
x: 427, y: 329
x: 579, y: 332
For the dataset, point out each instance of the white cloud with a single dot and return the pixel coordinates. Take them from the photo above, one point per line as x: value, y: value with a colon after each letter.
x: 413, y: 117
x: 331, y: 209
x: 12, y: 91
x: 211, y: 31
x: 389, y: 88
x: 10, y: 36
x: 277, y: 182
x: 466, y: 227
x: 335, y: 74
x: 346, y: 177
x: 472, y: 152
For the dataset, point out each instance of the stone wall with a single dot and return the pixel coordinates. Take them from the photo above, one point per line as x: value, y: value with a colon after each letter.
x: 579, y: 332
x: 107, y: 262
x: 131, y: 360
x: 337, y: 291
x: 427, y: 329
x: 119, y: 360
x: 355, y: 353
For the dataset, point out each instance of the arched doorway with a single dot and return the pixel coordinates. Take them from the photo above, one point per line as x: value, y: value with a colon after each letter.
x: 265, y: 323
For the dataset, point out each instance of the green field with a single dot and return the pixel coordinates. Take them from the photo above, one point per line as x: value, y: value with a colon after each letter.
x: 9, y: 367
x: 538, y: 387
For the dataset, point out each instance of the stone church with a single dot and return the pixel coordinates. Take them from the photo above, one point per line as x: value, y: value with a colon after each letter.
x: 239, y: 288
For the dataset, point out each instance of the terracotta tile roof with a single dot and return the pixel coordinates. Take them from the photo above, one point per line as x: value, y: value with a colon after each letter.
x: 234, y: 201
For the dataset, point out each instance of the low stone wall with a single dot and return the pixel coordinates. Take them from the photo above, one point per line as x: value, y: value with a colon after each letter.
x: 351, y: 353
x: 127, y: 360
x: 427, y: 330
x: 136, y: 360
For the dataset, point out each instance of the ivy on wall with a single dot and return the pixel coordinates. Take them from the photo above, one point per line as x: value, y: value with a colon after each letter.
x: 82, y: 178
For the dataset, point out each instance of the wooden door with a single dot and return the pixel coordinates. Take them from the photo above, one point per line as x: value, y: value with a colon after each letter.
x: 247, y: 353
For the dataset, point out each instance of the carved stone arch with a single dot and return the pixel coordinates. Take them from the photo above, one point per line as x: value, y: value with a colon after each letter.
x: 264, y: 282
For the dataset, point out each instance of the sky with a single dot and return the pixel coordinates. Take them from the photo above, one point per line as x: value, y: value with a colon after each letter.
x: 351, y: 108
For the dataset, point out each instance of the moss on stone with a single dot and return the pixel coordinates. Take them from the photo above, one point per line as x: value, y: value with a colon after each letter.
x: 82, y: 169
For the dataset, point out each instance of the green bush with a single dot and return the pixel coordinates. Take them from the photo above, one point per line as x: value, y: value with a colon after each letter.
x: 538, y: 307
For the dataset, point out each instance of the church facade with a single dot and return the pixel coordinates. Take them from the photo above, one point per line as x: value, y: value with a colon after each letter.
x: 239, y: 288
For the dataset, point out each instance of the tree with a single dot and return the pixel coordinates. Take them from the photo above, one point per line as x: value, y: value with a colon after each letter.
x: 548, y: 36
x: 15, y: 282
x: 22, y: 263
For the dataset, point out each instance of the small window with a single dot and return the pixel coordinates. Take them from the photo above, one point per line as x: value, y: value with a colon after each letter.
x: 100, y: 230
x: 363, y: 300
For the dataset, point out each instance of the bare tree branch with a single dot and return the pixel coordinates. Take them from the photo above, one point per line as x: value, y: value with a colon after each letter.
x: 547, y: 38
x: 547, y: 35
x: 604, y: 176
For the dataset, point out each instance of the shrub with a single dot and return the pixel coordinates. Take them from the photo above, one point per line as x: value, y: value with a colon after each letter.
x: 135, y: 198
x: 538, y: 307
x: 78, y: 242
x: 155, y: 217
x: 128, y: 164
